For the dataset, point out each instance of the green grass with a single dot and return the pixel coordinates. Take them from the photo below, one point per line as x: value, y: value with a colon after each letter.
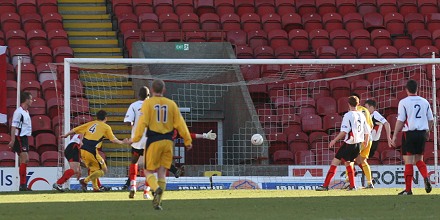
x: 224, y: 204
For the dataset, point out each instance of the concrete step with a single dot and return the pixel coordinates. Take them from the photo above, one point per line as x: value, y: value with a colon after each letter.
x: 88, y: 26
x: 81, y: 1
x: 110, y: 109
x: 82, y: 9
x: 94, y: 43
x: 112, y: 101
x: 109, y: 56
x: 92, y: 34
x: 114, y: 146
x: 109, y: 84
x: 115, y: 118
x: 122, y: 136
x: 117, y: 163
x: 68, y: 17
x: 118, y: 154
x: 97, y: 50
x: 87, y: 21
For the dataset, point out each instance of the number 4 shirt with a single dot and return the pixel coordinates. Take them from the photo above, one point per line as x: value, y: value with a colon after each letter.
x: 414, y: 112
x: 94, y: 132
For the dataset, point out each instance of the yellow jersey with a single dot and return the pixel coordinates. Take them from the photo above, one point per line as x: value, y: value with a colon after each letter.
x: 94, y: 132
x: 160, y: 116
x: 367, y: 115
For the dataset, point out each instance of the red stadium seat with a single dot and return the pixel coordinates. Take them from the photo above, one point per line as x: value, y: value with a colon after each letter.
x: 421, y: 38
x: 244, y: 52
x: 26, y: 7
x: 426, y: 51
x: 264, y: 52
x: 38, y: 107
x: 265, y: 7
x: 216, y: 36
x: 223, y: 7
x: 121, y: 7
x: 298, y: 141
x: 340, y: 38
x: 433, y: 22
x: 305, y: 7
x: 243, y: 7
x: 325, y: 52
x: 289, y: 120
x: 31, y: 22
x: 130, y: 37
x: 283, y: 102
x: 319, y: 89
x: 127, y: 22
x: 15, y: 38
x: 331, y: 121
x: 62, y: 52
x: 250, y: 22
x: 285, y: 7
x: 41, y: 124
x: 360, y: 38
x: 291, y: 21
x: 210, y: 21
x: 305, y: 158
x: 339, y: 88
x: 2, y: 38
x: 230, y: 21
x: 361, y: 87
x: 183, y: 6
x: 277, y: 141
x: 28, y: 72
x: 36, y: 38
x: 268, y: 70
x: 33, y: 87
x: 408, y: 52
x: 41, y: 54
x: 387, y: 52
x: 10, y: 21
x: 81, y: 119
x: 373, y: 21
x: 342, y: 105
x: 57, y: 38
x: 353, y: 21
x: 346, y: 53
x: 283, y: 157
x: 52, y: 21
x: 299, y: 40
x: 143, y: 6
x: 7, y: 159
x: 76, y: 88
x: 312, y: 22
x: 169, y: 21
x: 401, y: 41
x: 49, y: 158
x: 407, y: 6
x: 51, y: 89
x: 79, y: 105
x: 391, y: 157
x: 387, y: 6
x: 311, y: 123
x: 250, y: 72
x: 22, y: 51
x: 326, y: 106
x: 148, y: 22
x: 257, y: 38
x: 324, y: 156
x: 278, y: 38
x: 47, y: 6
x: 54, y: 107
x: 367, y: 52
x: 366, y: 6
x: 34, y: 159
x: 237, y: 38
x: 189, y: 21
x: 154, y: 36
x: 332, y: 21
x: 318, y: 38
x: 394, y: 23
x: 204, y: 6
x: 427, y: 7
x: 284, y: 52
x: 414, y: 21
x: 195, y: 36
x: 7, y: 6
x: 326, y: 6
x: 380, y: 38
x: 271, y: 22
x: 45, y: 74
x: 346, y: 6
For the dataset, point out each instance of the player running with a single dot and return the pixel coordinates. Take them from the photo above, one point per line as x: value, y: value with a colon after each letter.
x: 72, y: 154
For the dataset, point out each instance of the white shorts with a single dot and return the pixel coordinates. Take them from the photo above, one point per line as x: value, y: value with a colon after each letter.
x: 141, y: 144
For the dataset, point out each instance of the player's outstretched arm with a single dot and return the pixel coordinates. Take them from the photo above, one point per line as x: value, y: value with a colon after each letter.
x: 337, y: 138
x: 210, y: 135
x: 125, y: 141
x: 67, y: 134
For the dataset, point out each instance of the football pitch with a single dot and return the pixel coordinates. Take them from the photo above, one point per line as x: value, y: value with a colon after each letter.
x: 224, y: 204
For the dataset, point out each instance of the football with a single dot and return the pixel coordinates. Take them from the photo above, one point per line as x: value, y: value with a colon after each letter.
x: 257, y: 139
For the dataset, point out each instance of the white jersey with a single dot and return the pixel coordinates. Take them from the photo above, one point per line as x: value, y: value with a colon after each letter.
x: 354, y: 124
x: 414, y: 112
x: 378, y: 122
x: 22, y: 121
x: 75, y: 139
x: 132, y: 116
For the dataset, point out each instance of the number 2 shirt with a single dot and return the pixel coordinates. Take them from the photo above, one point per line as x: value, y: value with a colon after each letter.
x: 414, y: 112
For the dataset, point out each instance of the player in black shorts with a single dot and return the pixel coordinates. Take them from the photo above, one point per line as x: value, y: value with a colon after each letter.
x: 72, y: 154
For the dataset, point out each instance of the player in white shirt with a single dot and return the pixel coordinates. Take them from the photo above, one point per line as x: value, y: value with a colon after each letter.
x: 355, y: 131
x: 72, y: 154
x: 137, y: 149
x: 21, y: 129
x: 415, y: 119
x: 378, y: 123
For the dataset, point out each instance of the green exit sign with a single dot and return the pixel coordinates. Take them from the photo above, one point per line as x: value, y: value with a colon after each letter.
x: 182, y: 46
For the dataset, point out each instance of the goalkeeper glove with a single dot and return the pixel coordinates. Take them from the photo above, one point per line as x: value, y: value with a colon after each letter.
x: 210, y: 135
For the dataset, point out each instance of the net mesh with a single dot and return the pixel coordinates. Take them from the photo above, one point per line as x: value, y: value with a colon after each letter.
x: 297, y: 108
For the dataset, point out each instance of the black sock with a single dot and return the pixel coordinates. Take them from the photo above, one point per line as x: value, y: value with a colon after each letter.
x: 173, y: 169
x: 128, y: 182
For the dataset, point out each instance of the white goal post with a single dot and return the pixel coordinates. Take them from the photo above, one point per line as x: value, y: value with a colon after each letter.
x: 68, y: 62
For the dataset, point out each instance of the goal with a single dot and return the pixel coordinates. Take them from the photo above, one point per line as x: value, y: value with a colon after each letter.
x: 297, y: 106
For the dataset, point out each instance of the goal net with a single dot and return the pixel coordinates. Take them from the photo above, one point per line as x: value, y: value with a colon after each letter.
x: 297, y: 105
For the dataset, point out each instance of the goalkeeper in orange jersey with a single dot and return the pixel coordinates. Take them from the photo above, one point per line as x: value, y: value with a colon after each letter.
x: 93, y: 134
x: 160, y: 116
